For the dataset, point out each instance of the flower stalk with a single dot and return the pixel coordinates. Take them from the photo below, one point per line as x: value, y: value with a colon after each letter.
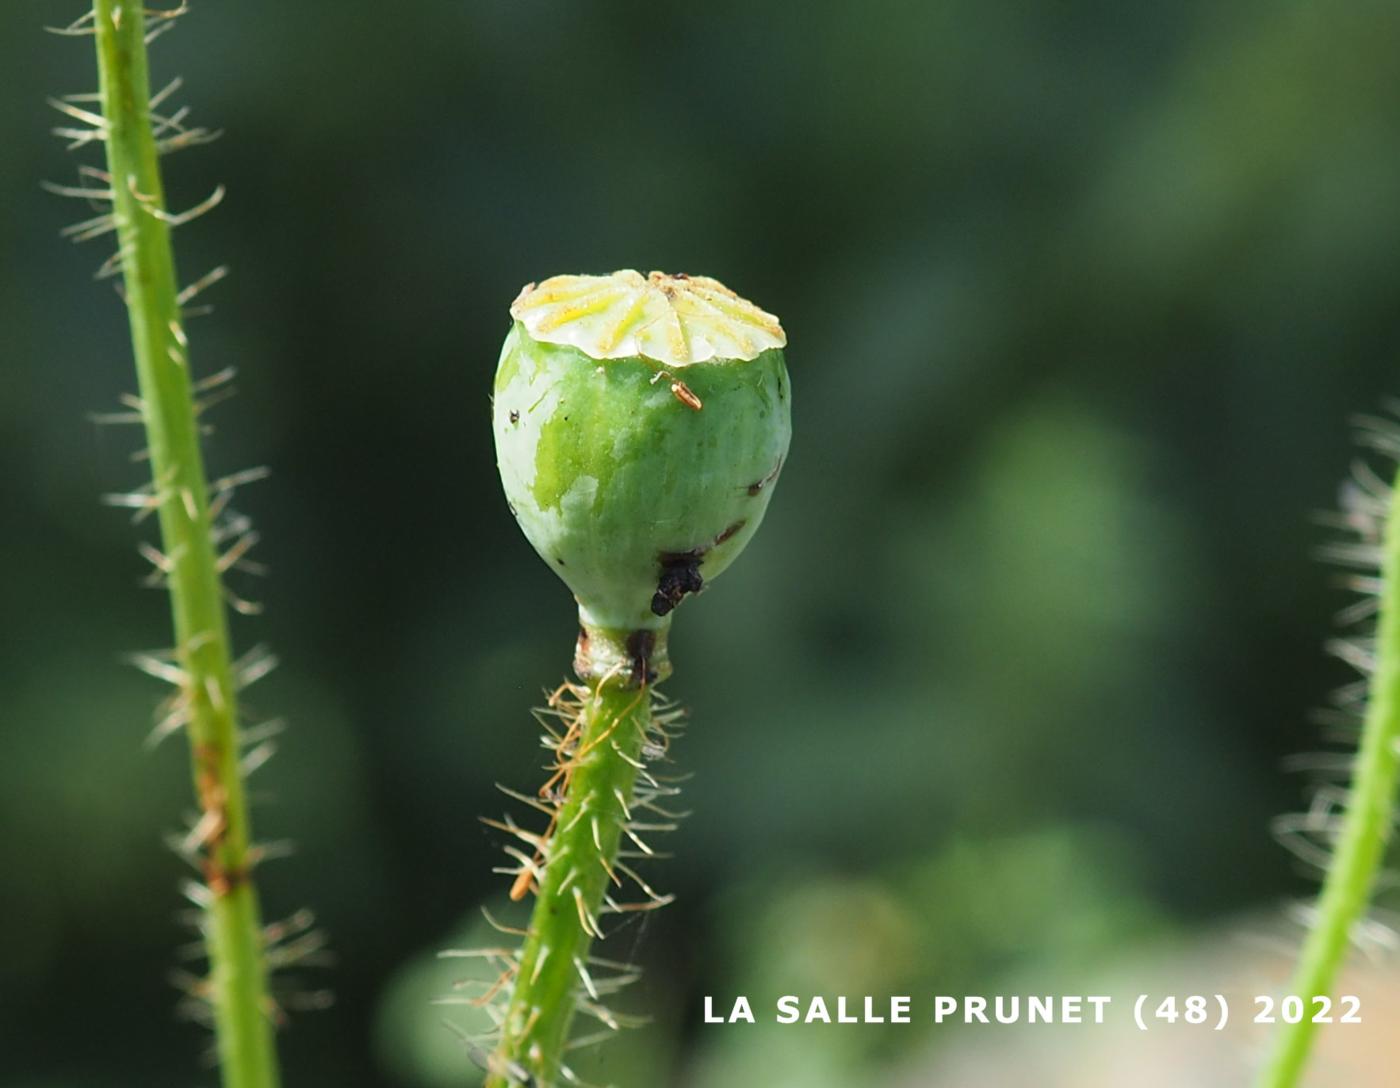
x: 201, y: 668
x: 600, y: 756
x: 640, y: 423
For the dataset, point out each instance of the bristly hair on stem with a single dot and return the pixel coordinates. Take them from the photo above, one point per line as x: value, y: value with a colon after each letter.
x: 602, y: 801
x: 1346, y: 831
x: 202, y: 537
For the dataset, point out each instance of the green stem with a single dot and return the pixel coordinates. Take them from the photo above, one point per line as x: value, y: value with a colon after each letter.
x: 1360, y: 848
x: 581, y: 853
x: 233, y: 932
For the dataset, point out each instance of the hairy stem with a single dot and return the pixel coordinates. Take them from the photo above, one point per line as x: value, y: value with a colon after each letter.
x: 237, y: 986
x: 581, y: 858
x: 1361, y: 846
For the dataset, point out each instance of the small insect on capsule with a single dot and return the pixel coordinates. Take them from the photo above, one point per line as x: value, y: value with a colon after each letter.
x: 679, y: 390
x: 685, y: 396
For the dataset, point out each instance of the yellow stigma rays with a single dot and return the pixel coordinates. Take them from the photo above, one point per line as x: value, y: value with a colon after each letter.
x: 676, y: 320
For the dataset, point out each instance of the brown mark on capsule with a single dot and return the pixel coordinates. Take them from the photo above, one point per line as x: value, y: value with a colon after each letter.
x: 514, y: 416
x: 680, y: 574
x: 758, y: 485
x: 730, y: 531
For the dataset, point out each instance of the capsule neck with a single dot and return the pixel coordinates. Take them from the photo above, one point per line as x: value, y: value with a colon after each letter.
x: 635, y: 657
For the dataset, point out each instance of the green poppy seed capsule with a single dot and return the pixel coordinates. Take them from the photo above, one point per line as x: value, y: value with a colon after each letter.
x: 641, y: 423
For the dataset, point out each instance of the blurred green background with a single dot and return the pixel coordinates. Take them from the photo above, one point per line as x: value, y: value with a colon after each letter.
x: 1079, y: 298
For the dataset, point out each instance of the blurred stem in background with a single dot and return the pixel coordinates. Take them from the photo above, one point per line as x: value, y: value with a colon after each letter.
x: 206, y: 699
x: 1368, y: 814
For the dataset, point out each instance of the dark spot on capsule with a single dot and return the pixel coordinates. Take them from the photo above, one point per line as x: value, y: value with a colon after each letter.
x: 758, y: 485
x: 730, y: 531
x: 559, y: 560
x: 514, y: 416
x: 680, y: 574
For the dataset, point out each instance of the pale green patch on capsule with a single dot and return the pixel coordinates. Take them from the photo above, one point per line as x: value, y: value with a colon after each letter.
x: 638, y: 487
